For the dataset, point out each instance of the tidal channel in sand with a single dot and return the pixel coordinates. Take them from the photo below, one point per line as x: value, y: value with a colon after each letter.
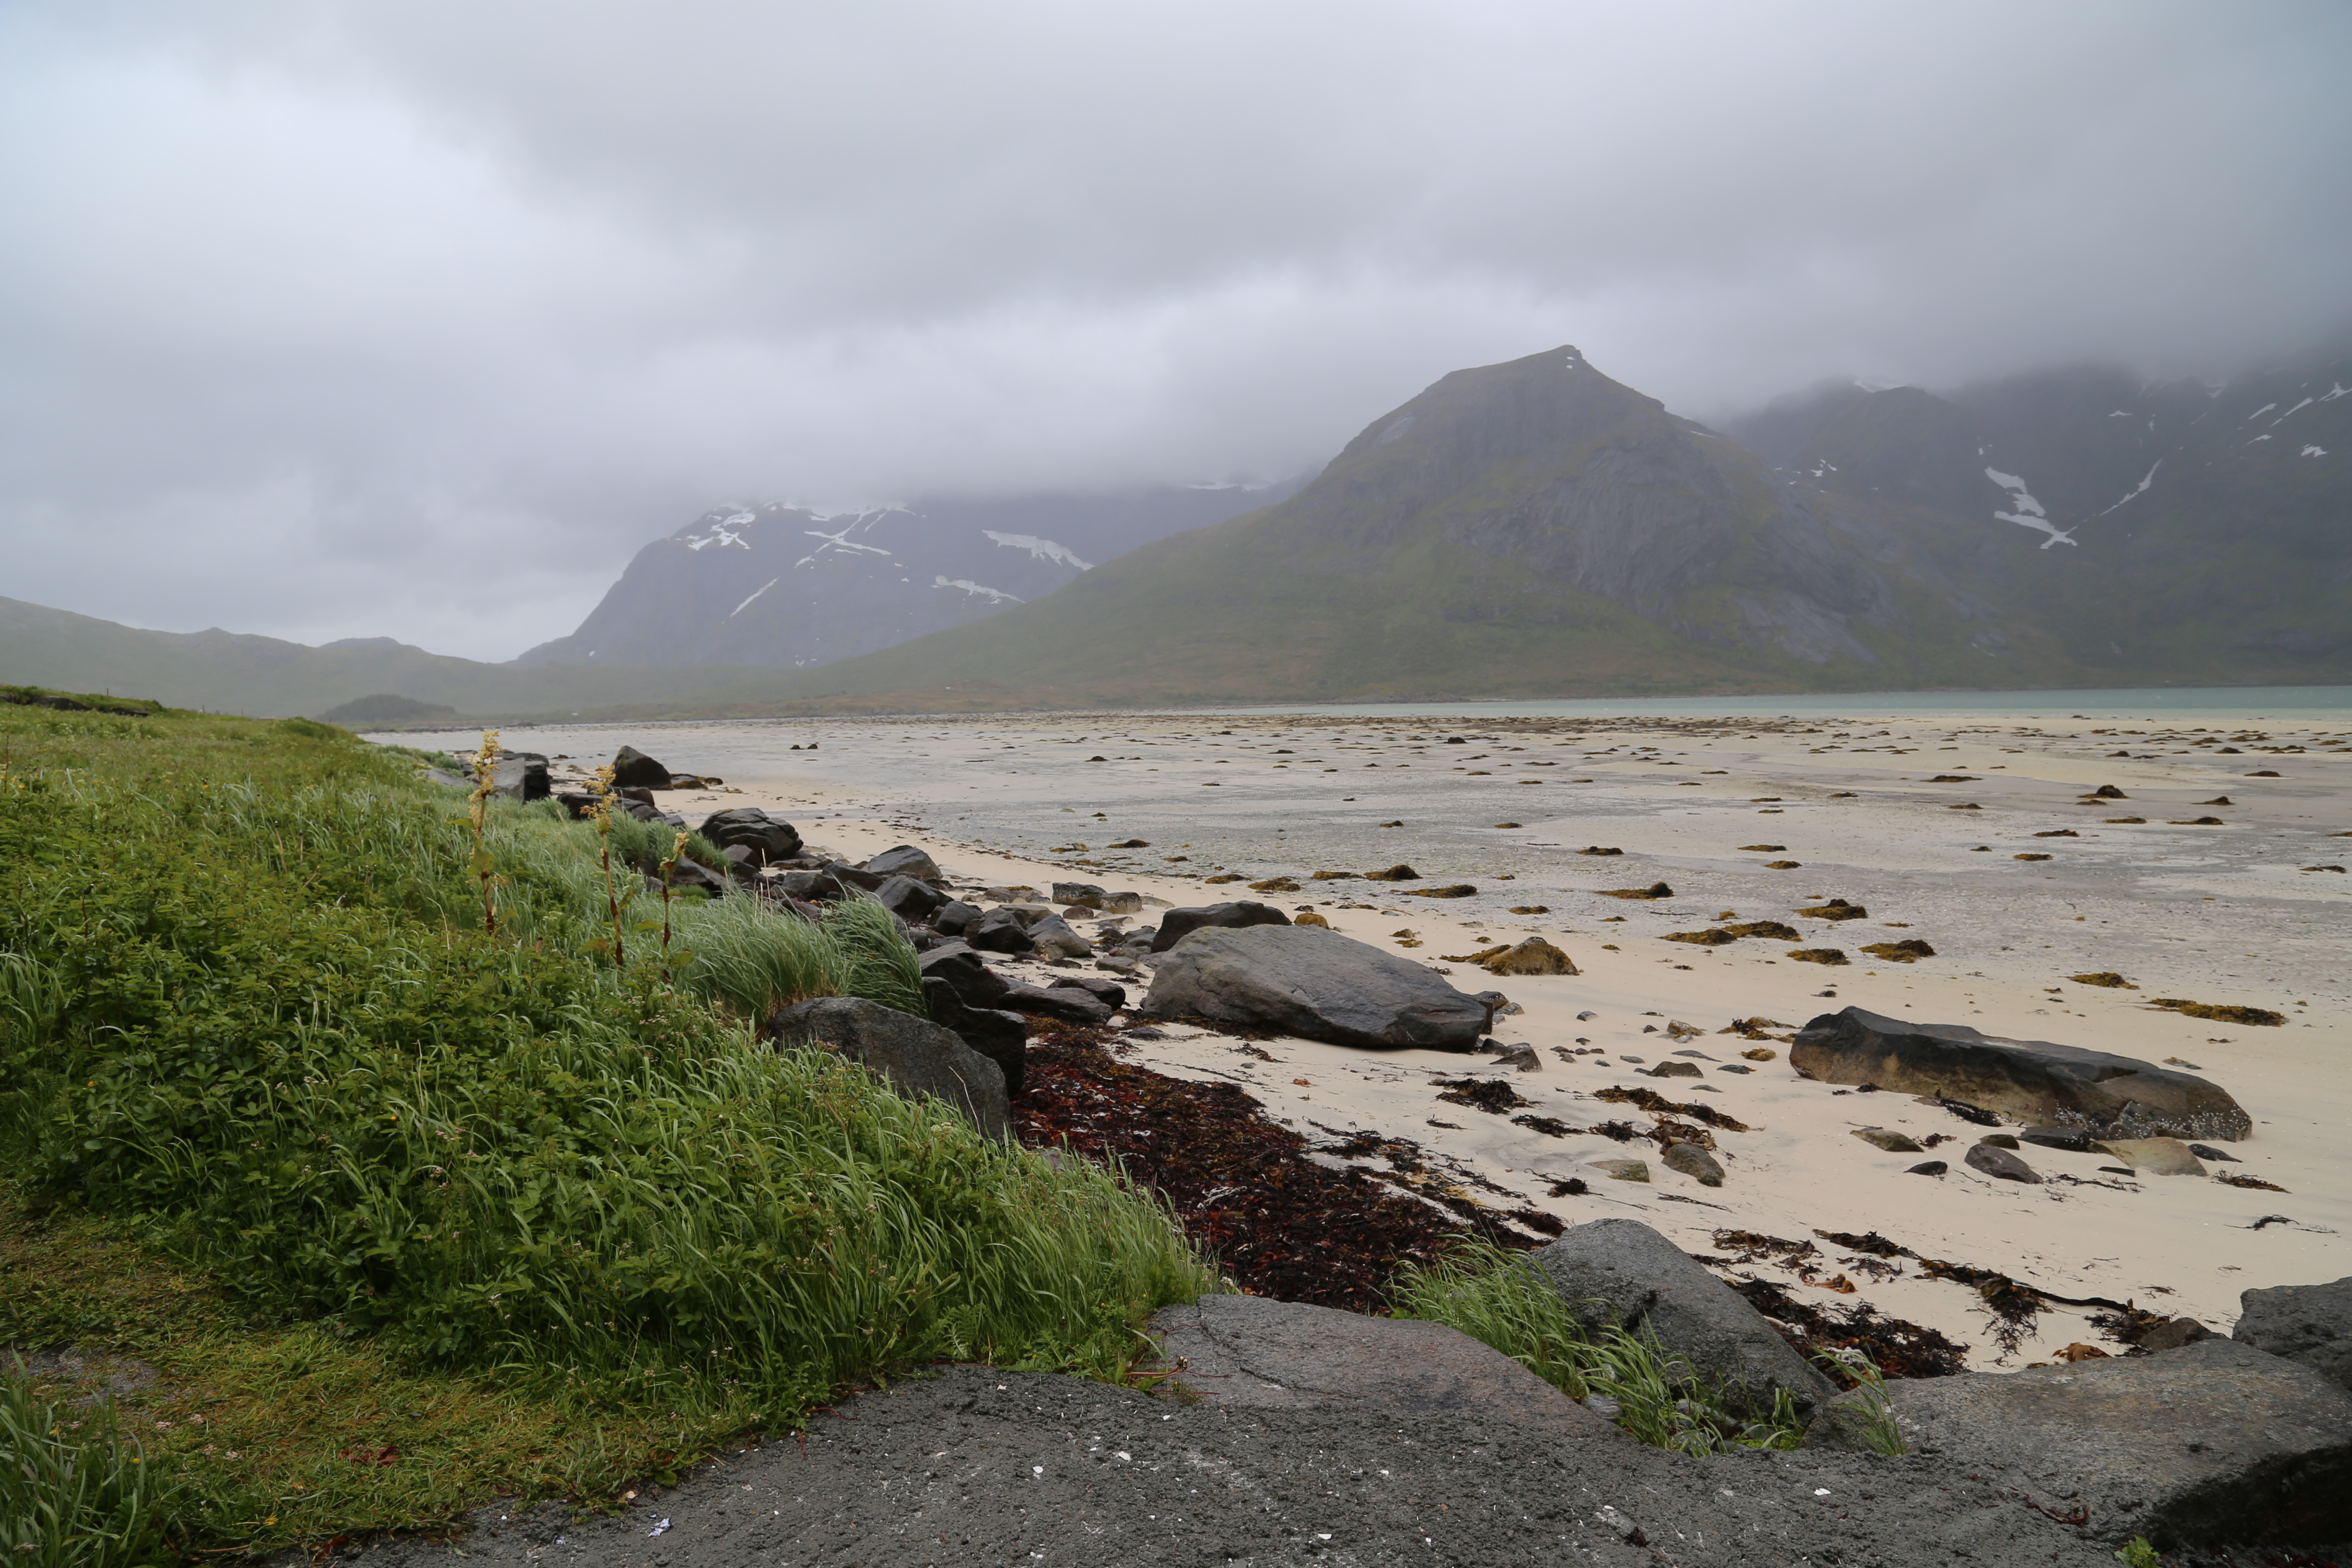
x: 1919, y: 816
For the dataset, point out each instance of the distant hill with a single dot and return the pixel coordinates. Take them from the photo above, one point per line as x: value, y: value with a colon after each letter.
x: 229, y: 672
x: 778, y: 585
x: 1537, y: 529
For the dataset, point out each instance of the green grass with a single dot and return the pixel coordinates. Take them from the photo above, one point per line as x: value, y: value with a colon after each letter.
x: 75, y: 1492
x: 250, y: 1026
x: 1503, y: 1300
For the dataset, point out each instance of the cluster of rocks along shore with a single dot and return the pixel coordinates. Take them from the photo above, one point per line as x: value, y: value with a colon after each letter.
x: 2194, y: 1441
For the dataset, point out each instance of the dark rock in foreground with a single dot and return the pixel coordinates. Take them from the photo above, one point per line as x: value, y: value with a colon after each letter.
x: 1314, y: 983
x: 1178, y: 924
x: 2307, y: 1324
x: 1246, y: 1352
x: 2113, y: 1095
x: 631, y: 768
x: 914, y: 1056
x: 768, y: 836
x: 2214, y: 1443
x: 1000, y: 1036
x: 521, y: 775
x: 999, y: 930
x: 905, y: 860
x: 1621, y: 1270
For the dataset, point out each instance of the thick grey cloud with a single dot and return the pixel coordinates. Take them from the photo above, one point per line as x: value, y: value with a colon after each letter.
x: 415, y: 317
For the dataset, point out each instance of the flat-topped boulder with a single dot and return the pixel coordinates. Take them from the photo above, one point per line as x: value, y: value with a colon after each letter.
x: 1312, y: 981
x: 2040, y: 1081
x: 1621, y: 1271
x: 1250, y: 1353
x: 2215, y: 1443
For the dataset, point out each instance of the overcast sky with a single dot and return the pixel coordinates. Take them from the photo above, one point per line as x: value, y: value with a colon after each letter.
x: 418, y: 316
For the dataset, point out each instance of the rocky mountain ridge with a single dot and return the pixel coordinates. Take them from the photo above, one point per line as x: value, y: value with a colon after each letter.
x: 776, y: 585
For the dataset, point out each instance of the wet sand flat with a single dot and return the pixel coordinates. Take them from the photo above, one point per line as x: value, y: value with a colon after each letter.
x: 1921, y: 820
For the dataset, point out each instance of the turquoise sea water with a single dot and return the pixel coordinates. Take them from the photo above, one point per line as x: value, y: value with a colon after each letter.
x: 2178, y: 705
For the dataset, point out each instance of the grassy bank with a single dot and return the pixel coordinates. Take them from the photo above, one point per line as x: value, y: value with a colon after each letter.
x: 281, y: 1120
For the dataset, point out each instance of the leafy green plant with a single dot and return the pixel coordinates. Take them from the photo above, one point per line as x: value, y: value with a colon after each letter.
x: 2139, y: 1553
x: 1503, y: 1299
x: 74, y: 1492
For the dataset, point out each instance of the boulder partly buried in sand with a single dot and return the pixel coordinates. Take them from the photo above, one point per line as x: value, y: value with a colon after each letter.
x: 2153, y: 1156
x: 2037, y: 1080
x: 1250, y: 1353
x: 1619, y: 1271
x: 913, y: 1056
x: 2212, y: 1443
x: 1316, y: 984
x: 1533, y: 956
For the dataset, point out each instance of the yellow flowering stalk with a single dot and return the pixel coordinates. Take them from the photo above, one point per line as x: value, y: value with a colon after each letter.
x: 478, y: 812
x: 614, y: 899
x: 677, y: 847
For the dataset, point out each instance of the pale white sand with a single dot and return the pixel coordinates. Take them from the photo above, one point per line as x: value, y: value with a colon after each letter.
x: 2218, y: 914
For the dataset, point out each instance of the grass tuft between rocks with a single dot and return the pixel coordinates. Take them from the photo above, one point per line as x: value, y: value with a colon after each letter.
x: 1503, y: 1299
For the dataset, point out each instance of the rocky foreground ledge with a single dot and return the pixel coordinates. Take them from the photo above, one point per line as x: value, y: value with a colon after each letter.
x: 975, y: 1466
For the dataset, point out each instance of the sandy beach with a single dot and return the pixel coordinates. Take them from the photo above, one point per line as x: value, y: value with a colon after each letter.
x: 1926, y: 820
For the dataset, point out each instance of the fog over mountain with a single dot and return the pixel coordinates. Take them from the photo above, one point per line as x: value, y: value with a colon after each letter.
x: 346, y: 318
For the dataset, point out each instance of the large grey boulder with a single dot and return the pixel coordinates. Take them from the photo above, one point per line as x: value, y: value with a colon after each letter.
x: 2214, y: 1443
x: 1178, y: 924
x: 632, y: 768
x: 913, y: 1056
x: 1622, y: 1271
x: 2308, y: 1323
x: 2122, y: 1097
x: 905, y: 860
x: 1250, y: 1353
x: 1312, y: 981
x: 767, y: 836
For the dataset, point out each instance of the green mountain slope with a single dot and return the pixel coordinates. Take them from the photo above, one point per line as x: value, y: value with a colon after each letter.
x: 228, y: 672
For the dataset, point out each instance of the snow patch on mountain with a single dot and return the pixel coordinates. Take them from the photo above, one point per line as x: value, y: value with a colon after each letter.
x: 722, y: 535
x: 1039, y: 549
x: 2029, y: 513
x: 2314, y: 451
x: 756, y: 593
x: 970, y: 588
x: 2139, y: 489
